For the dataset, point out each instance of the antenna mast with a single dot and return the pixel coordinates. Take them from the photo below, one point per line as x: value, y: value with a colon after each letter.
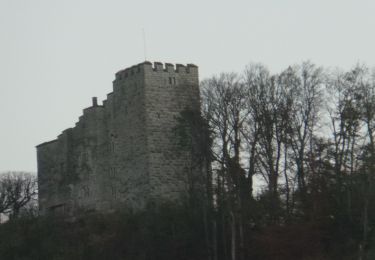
x: 144, y: 44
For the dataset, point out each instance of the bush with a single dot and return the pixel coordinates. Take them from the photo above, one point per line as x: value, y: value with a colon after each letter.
x: 166, y: 232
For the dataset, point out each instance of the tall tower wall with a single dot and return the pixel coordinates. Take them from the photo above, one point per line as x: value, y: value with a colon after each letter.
x: 168, y: 92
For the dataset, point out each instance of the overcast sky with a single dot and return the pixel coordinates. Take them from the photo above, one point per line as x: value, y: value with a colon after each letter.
x: 56, y: 55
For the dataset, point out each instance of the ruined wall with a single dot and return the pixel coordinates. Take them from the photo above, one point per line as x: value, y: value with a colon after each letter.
x: 125, y: 152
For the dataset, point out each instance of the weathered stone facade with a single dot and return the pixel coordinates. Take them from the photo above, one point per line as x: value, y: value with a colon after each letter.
x: 124, y: 152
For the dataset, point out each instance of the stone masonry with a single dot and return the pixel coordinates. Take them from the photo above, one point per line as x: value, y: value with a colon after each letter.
x: 125, y: 152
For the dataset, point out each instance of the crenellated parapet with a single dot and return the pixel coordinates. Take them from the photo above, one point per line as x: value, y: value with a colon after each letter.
x: 147, y: 66
x: 178, y: 68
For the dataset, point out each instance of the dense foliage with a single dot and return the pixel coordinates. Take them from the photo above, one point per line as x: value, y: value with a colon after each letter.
x: 166, y: 232
x: 169, y: 232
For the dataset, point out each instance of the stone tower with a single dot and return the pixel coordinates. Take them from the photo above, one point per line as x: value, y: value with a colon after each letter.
x: 124, y: 152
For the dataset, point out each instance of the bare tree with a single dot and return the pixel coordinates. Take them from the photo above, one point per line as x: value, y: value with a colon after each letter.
x: 306, y: 82
x: 4, y: 201
x: 256, y: 78
x: 366, y: 99
x: 17, y: 189
x: 225, y: 104
x: 263, y: 131
x: 345, y: 114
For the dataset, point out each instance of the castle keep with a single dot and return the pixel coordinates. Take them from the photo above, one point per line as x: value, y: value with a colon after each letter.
x: 124, y: 152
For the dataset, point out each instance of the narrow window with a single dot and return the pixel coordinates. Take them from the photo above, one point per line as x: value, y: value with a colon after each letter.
x: 62, y: 167
x: 170, y: 81
x: 113, y: 191
x: 85, y: 191
x: 112, y: 142
x: 112, y: 146
x: 112, y: 172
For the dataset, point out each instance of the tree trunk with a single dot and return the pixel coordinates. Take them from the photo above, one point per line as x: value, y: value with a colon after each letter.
x: 233, y: 236
x: 214, y: 239
x: 287, y: 189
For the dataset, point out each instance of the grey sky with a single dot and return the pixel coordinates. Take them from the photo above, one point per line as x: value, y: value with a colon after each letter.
x: 56, y: 55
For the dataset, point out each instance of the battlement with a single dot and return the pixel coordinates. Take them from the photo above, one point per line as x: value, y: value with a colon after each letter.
x: 156, y: 67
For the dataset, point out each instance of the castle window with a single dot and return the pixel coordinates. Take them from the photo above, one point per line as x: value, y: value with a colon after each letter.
x: 172, y: 81
x: 112, y: 142
x: 113, y: 191
x: 62, y: 167
x: 112, y: 172
x: 85, y: 191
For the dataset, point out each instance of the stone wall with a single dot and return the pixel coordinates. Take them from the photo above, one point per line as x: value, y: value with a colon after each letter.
x: 125, y: 152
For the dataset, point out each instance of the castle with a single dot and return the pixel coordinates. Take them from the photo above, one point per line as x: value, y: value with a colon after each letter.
x: 124, y: 152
